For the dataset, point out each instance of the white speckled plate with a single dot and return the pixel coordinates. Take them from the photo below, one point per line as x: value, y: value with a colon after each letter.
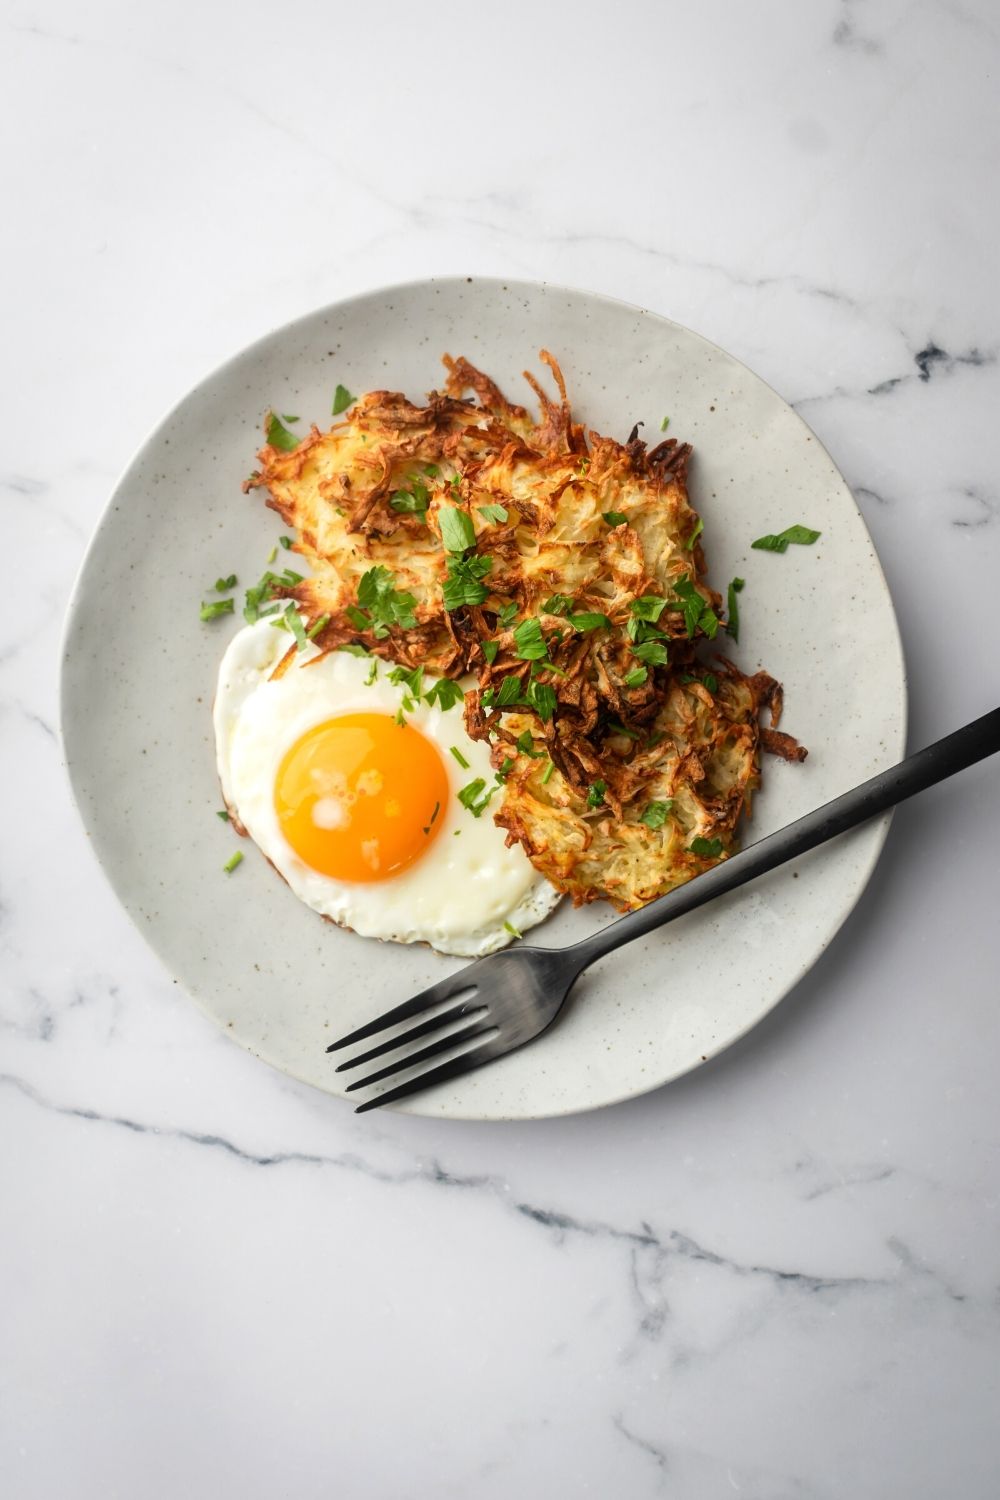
x: 139, y: 670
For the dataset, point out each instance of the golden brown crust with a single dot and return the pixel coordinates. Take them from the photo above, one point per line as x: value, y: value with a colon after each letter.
x: 586, y: 526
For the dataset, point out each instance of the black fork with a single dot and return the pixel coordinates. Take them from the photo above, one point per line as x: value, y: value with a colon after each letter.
x: 511, y: 997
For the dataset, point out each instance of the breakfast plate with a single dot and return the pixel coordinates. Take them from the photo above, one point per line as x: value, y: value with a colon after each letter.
x: 140, y: 666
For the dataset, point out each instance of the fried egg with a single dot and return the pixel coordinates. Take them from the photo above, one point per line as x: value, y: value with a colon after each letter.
x: 349, y: 784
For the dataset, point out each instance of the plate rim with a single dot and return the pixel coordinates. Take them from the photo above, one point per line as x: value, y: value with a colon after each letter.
x: 288, y: 326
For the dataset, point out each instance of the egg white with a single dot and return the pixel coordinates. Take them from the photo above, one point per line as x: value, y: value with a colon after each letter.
x: 460, y: 893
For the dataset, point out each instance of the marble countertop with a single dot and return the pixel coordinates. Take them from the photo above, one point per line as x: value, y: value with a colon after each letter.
x: 777, y: 1278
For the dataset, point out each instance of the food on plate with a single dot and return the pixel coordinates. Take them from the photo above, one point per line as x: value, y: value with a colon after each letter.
x: 355, y: 787
x: 565, y: 571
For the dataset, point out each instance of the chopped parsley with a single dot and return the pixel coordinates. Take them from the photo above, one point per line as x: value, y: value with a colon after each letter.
x: 510, y: 692
x: 490, y: 649
x: 542, y: 699
x: 354, y: 649
x: 526, y: 745
x: 590, y: 620
x: 286, y: 542
x: 707, y: 848
x: 698, y: 613
x: 413, y: 501
x: 557, y: 604
x: 233, y: 861
x: 431, y: 470
x: 507, y: 614
x: 495, y: 514
x: 381, y: 604
x: 464, y: 583
x: 222, y: 584
x: 506, y: 768
x: 648, y: 607
x: 278, y: 434
x: 476, y: 797
x: 636, y: 677
x: 529, y: 643
x: 595, y: 793
x: 802, y: 536
x: 654, y: 814
x: 652, y: 652
x: 444, y: 693
x: 260, y: 593
x: 733, y: 609
x: 456, y: 752
x: 457, y: 531
x: 224, y: 815
x: 290, y: 621
x: 342, y: 399
x: 509, y: 927
x: 216, y: 608
x: 412, y: 680
x: 711, y: 682
x: 699, y: 527
x: 614, y: 517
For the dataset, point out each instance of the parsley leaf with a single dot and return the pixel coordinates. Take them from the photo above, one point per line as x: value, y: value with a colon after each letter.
x: 636, y: 677
x: 295, y: 625
x: 697, y: 611
x: 224, y: 815
x: 506, y: 768
x: 654, y: 814
x: 495, y: 514
x: 542, y: 699
x: 507, y: 614
x: 342, y: 399
x: 529, y: 643
x: 557, y: 604
x: 381, y: 604
x: 457, y: 531
x: 216, y: 608
x: 699, y: 527
x: 614, y: 517
x: 476, y: 796
x: 410, y: 502
x: 464, y: 582
x: 413, y: 680
x: 733, y: 609
x: 707, y: 848
x: 590, y: 620
x: 278, y: 434
x: 222, y: 584
x: 595, y: 793
x: 653, y: 653
x: 648, y: 607
x: 445, y: 693
x: 526, y: 745
x: 431, y: 470
x: 285, y: 541
x: 353, y: 649
x: 510, y: 692
x: 490, y: 649
x: 803, y: 536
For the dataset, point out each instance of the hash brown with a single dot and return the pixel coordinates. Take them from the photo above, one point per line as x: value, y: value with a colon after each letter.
x: 566, y: 571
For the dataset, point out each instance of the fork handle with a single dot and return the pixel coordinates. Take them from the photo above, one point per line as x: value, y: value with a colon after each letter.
x: 936, y: 763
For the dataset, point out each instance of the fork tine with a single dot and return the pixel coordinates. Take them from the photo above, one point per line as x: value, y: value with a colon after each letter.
x: 443, y: 990
x: 456, y: 1013
x: 453, y: 1069
x: 402, y: 1063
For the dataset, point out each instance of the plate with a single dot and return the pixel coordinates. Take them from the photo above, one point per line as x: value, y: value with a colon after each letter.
x: 139, y: 669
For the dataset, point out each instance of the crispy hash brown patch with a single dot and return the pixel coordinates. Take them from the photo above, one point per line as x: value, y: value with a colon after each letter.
x: 566, y: 571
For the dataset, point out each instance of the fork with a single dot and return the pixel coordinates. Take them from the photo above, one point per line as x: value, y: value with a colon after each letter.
x: 511, y: 997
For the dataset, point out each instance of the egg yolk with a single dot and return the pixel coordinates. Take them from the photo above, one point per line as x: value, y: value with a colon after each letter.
x: 360, y: 797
